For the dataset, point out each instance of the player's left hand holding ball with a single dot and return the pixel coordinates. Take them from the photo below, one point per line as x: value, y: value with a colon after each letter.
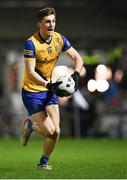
x: 75, y: 77
x: 54, y: 88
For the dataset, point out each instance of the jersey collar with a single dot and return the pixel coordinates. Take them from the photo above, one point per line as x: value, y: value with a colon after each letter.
x: 44, y: 40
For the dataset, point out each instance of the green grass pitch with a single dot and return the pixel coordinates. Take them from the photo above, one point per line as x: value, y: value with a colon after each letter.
x: 72, y: 159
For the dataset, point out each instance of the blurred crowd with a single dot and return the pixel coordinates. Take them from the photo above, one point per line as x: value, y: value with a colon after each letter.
x: 97, y: 108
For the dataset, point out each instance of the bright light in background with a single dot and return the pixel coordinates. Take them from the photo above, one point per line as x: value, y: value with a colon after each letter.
x: 91, y: 85
x: 101, y: 68
x: 102, y: 85
x: 108, y: 73
x: 99, y: 85
x: 60, y: 71
x: 102, y: 74
x: 101, y: 71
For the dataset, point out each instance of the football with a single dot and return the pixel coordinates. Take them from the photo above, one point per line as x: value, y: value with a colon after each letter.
x: 67, y: 85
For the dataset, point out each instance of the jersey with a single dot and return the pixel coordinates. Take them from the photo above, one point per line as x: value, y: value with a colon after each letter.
x: 46, y: 54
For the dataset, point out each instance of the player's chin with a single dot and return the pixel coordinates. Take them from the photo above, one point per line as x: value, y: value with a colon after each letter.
x: 50, y: 33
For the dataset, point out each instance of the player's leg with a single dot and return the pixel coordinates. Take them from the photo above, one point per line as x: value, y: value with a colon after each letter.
x: 42, y: 124
x: 38, y: 122
x: 50, y: 128
x: 53, y: 112
x: 34, y: 103
x: 26, y: 132
x: 41, y: 120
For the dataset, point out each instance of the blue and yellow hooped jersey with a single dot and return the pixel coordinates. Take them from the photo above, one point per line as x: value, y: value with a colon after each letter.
x: 46, y: 54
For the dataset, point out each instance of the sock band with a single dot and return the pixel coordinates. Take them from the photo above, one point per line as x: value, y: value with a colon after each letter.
x: 44, y: 160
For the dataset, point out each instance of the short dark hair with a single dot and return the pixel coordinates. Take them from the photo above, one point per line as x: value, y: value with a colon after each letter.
x: 45, y: 12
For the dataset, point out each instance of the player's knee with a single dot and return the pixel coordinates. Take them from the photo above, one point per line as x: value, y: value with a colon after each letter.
x: 46, y: 130
x: 57, y: 132
x: 55, y: 135
x: 50, y: 132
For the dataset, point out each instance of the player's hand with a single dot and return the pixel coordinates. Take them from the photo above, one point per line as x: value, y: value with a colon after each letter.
x: 61, y: 93
x: 75, y: 76
x: 53, y: 86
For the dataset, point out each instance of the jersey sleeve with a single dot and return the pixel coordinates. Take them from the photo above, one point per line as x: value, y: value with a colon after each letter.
x: 66, y: 43
x: 29, y: 49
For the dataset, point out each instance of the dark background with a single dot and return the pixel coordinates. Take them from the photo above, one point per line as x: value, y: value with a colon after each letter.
x: 85, y: 22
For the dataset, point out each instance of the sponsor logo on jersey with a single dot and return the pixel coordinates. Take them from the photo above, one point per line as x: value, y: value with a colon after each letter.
x: 46, y: 61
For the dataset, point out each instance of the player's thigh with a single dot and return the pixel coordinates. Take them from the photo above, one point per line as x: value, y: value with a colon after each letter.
x: 44, y: 122
x: 53, y: 112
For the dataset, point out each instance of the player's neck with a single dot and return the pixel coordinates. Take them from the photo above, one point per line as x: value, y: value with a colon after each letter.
x: 44, y: 38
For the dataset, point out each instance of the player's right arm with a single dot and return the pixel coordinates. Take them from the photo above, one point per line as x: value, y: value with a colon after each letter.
x: 30, y: 63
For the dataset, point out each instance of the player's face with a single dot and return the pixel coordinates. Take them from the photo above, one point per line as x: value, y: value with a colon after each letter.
x: 47, y: 26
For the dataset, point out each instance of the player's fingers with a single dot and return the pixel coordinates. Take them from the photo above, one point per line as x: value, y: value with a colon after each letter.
x: 58, y: 83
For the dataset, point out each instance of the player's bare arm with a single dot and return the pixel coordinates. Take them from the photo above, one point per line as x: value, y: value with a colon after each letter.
x: 31, y: 73
x: 75, y: 56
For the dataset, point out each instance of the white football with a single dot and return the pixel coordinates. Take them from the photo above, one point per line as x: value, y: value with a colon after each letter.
x: 67, y: 85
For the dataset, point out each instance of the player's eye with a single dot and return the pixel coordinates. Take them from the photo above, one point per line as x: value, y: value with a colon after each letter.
x: 48, y: 21
x: 54, y: 21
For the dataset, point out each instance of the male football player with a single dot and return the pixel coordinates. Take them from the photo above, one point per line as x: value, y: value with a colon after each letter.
x: 39, y: 94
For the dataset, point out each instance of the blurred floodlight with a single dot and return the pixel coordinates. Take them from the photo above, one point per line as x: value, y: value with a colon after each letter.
x: 101, y: 72
x: 12, y: 57
x: 109, y: 73
x: 102, y: 85
x: 60, y: 71
x: 101, y: 68
x: 91, y: 85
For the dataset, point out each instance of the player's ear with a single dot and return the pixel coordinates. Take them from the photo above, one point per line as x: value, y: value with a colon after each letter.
x: 39, y: 24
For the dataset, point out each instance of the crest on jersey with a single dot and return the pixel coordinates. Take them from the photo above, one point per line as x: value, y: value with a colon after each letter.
x: 49, y: 50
